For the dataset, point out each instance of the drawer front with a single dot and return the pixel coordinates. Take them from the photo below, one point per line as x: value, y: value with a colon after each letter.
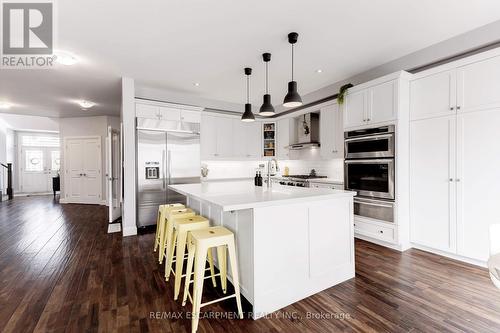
x: 387, y: 234
x: 326, y: 185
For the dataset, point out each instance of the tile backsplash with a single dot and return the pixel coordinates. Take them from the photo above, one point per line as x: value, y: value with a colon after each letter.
x: 309, y: 159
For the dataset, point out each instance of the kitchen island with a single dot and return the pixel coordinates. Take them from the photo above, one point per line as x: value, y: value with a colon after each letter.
x: 291, y: 242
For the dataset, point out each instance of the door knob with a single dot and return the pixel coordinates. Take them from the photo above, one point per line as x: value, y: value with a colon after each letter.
x: 451, y: 179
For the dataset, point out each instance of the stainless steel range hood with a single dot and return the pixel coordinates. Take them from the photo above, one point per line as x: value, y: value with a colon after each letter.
x: 307, y: 132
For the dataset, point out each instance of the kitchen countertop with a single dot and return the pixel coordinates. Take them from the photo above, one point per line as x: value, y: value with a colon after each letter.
x: 237, y: 195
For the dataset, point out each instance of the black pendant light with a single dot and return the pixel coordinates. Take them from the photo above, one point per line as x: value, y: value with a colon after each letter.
x: 248, y: 115
x: 267, y: 108
x: 292, y: 98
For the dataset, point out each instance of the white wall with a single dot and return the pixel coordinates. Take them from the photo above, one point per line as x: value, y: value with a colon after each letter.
x: 30, y: 123
x: 87, y: 126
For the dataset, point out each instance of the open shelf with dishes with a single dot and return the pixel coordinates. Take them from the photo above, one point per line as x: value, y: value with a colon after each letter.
x: 269, y: 138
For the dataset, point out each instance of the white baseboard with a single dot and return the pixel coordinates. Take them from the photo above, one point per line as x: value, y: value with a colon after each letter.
x: 130, y: 231
x: 450, y: 255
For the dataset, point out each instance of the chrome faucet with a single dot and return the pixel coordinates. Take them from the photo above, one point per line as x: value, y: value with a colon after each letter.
x: 269, y: 164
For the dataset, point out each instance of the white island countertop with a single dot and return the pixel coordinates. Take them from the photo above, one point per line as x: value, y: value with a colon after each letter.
x: 237, y: 195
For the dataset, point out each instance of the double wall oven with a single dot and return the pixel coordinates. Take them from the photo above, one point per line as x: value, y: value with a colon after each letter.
x: 369, y: 170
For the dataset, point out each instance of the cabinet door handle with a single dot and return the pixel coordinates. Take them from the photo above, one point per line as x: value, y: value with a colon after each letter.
x: 452, y: 108
x: 381, y: 231
x: 368, y: 119
x: 457, y: 180
x: 458, y: 107
x: 451, y: 180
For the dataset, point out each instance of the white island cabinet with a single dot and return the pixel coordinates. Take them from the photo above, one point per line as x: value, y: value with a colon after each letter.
x: 291, y: 242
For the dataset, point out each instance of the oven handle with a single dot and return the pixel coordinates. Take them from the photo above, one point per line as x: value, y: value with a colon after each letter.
x: 385, y: 160
x: 371, y: 137
x: 371, y: 203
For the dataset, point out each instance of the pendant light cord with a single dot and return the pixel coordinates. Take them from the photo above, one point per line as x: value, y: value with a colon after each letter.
x: 267, y: 77
x: 248, y: 88
x: 292, y: 62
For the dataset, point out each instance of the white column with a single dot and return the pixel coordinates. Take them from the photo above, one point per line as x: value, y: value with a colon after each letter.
x: 128, y: 120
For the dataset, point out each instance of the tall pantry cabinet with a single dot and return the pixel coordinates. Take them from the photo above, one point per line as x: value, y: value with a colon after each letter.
x: 455, y: 156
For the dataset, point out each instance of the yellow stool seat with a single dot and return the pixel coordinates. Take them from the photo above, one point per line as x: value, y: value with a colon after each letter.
x: 161, y: 217
x: 171, y: 216
x: 199, y: 242
x: 181, y: 228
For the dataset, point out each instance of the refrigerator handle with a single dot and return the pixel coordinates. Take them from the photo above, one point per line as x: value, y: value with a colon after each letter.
x: 163, y: 168
x: 169, y: 165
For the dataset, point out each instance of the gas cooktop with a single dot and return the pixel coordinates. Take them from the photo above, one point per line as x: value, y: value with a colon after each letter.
x: 304, y: 176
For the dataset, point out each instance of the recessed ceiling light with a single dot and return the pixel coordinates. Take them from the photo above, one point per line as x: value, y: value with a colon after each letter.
x: 5, y: 105
x: 86, y: 104
x: 196, y: 84
x: 319, y: 71
x: 65, y: 58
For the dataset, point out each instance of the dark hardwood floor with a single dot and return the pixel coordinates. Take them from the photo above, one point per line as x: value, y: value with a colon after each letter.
x: 60, y: 271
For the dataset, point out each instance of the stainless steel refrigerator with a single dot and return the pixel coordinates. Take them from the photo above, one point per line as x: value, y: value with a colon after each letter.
x: 164, y: 158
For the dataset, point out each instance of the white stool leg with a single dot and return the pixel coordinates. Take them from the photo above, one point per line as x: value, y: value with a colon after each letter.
x: 234, y: 273
x: 222, y: 258
x: 189, y: 269
x: 199, y: 274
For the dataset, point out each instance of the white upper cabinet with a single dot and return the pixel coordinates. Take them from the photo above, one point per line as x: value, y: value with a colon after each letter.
x: 355, y: 109
x: 190, y: 116
x: 171, y: 114
x: 224, y: 137
x: 158, y: 112
x: 331, y: 132
x: 479, y: 85
x: 382, y: 102
x: 371, y: 105
x: 147, y: 111
x: 247, y: 139
x: 208, y: 137
x: 253, y: 139
x: 433, y: 95
x: 285, y: 137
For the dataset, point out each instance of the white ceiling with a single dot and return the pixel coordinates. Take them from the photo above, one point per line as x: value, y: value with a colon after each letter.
x: 172, y: 44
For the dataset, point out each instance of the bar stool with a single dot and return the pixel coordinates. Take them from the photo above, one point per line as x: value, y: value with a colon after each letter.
x: 181, y: 228
x: 200, y: 241
x: 166, y: 240
x: 161, y: 217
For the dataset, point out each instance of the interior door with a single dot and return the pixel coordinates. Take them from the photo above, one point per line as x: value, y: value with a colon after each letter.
x: 74, y: 187
x: 114, y: 174
x: 478, y: 196
x: 432, y: 185
x: 34, y: 170
x: 183, y: 162
x: 92, y: 170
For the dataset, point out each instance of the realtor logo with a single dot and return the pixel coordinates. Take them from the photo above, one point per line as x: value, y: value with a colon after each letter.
x: 27, y: 34
x: 27, y: 28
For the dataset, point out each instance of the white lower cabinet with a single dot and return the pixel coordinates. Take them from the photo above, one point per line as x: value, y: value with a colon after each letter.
x: 377, y: 230
x: 454, y: 188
